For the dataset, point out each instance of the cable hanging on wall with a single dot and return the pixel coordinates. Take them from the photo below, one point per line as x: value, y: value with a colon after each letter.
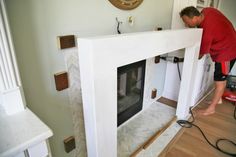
x: 118, y: 25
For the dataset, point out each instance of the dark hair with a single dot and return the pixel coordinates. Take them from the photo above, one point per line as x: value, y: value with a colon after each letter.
x: 190, y: 12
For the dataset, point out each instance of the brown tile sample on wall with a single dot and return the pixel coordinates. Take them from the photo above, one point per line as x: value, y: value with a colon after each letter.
x: 61, y: 80
x: 69, y: 144
x: 67, y: 41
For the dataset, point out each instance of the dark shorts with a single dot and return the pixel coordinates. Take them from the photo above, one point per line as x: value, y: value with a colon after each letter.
x: 222, y: 70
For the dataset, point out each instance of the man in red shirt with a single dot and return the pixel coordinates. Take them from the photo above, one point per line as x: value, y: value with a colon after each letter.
x: 219, y: 40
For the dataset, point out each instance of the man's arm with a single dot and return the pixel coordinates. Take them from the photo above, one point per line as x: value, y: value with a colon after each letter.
x: 206, y: 42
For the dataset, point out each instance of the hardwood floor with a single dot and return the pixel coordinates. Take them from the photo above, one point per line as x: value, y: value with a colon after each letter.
x: 190, y: 143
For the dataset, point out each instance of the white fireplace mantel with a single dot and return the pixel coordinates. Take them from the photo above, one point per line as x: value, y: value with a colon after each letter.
x: 99, y: 58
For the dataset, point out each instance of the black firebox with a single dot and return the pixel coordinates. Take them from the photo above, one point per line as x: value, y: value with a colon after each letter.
x: 130, y: 88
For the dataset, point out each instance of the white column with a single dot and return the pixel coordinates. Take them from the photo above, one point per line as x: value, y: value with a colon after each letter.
x: 11, y: 93
x: 188, y: 81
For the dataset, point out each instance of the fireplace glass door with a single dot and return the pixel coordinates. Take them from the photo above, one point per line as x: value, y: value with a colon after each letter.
x: 130, y: 87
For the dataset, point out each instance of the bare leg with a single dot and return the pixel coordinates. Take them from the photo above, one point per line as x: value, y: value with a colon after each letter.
x: 209, y: 102
x: 219, y: 90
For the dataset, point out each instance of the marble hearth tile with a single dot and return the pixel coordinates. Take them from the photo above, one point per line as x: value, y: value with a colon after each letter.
x: 135, y: 132
x: 161, y: 142
x: 75, y: 98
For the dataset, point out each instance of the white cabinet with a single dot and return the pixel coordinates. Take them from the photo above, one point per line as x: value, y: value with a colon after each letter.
x: 202, y: 3
x: 38, y: 150
x: 30, y: 138
x: 22, y: 154
x: 207, y: 3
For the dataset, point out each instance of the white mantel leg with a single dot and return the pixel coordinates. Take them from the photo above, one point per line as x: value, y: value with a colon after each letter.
x: 187, y: 82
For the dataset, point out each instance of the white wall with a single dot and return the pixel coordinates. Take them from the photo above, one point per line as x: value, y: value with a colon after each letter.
x: 228, y: 8
x: 35, y: 25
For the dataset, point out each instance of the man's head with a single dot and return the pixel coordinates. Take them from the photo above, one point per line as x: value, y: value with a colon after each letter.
x: 191, y: 16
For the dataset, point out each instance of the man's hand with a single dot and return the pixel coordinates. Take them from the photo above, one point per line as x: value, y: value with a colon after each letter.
x: 200, y: 56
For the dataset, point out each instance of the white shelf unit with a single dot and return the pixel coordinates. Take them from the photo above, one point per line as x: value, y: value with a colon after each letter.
x: 207, y: 3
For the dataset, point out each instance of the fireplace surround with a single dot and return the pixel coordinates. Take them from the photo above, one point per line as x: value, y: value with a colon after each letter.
x: 99, y: 58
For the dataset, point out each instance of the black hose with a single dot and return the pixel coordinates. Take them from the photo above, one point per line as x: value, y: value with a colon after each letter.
x: 189, y: 124
x: 178, y: 71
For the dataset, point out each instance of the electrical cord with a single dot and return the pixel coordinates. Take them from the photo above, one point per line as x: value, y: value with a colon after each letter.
x: 118, y: 26
x: 174, y: 60
x: 178, y: 71
x: 189, y: 124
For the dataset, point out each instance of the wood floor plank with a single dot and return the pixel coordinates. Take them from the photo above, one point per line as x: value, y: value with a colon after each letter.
x: 190, y: 143
x: 168, y: 102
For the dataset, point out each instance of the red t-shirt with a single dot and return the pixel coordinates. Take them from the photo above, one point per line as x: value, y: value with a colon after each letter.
x: 219, y: 36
